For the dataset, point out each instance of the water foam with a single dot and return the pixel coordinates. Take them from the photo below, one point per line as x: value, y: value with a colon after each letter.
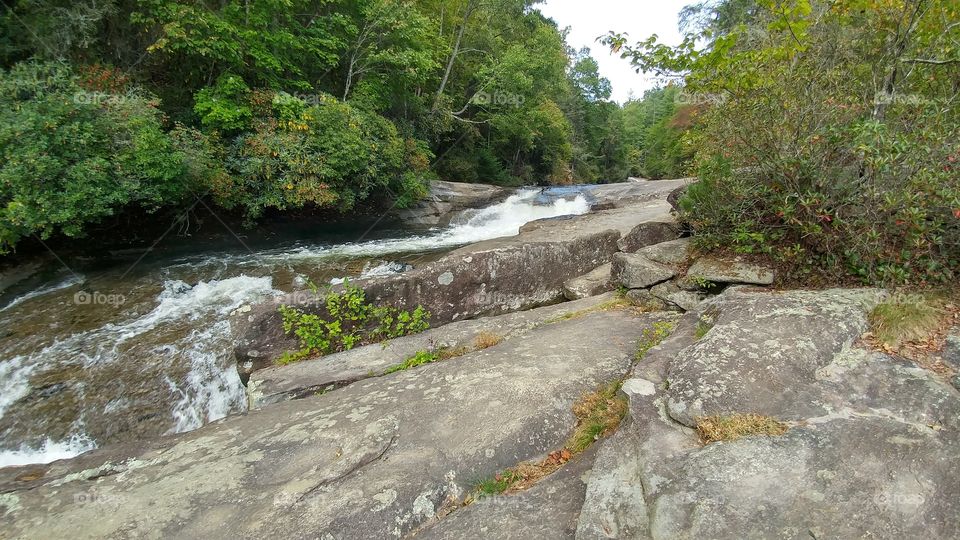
x: 212, y: 388
x: 48, y: 451
x: 496, y: 221
x: 14, y: 381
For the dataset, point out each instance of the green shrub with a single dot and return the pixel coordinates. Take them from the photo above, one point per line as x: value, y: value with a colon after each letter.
x: 328, y: 156
x: 224, y: 106
x: 71, y: 156
x: 350, y: 321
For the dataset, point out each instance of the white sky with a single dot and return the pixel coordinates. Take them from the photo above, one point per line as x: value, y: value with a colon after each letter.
x: 589, y: 19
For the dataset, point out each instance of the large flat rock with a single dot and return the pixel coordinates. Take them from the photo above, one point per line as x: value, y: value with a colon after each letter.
x: 301, y: 379
x: 764, y: 351
x: 870, y: 451
x: 375, y: 459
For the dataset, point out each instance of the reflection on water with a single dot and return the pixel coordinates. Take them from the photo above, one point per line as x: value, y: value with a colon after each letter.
x: 105, y: 352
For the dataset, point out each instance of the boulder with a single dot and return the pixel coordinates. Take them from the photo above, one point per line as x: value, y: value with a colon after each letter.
x: 500, y: 279
x: 445, y: 198
x: 597, y: 281
x: 672, y: 253
x: 670, y: 293
x: 798, y: 334
x: 643, y: 299
x: 649, y: 233
x: 730, y: 270
x: 868, y: 451
x: 375, y: 459
x: 638, y: 272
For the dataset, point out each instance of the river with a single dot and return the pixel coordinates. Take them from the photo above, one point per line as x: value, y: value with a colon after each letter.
x: 102, y: 351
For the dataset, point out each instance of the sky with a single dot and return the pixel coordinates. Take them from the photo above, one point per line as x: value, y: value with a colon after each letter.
x: 589, y: 19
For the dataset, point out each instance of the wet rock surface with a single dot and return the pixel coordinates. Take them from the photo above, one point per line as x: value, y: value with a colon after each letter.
x: 445, y: 198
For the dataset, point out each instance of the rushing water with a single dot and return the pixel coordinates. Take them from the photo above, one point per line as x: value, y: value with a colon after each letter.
x: 101, y: 353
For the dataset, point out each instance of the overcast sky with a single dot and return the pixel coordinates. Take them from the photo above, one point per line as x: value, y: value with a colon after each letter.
x: 589, y: 19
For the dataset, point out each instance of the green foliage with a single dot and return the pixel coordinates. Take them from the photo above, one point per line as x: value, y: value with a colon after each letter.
x: 829, y: 139
x: 329, y: 155
x: 654, y: 133
x: 349, y: 321
x: 72, y: 156
x: 417, y: 360
x: 299, y: 104
x: 654, y: 336
x: 224, y: 105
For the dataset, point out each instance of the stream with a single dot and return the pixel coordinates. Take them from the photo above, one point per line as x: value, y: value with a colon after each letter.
x: 94, y: 352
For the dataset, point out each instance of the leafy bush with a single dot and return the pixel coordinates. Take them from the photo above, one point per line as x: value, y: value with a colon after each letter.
x: 71, y: 156
x: 224, y: 106
x: 330, y: 155
x: 349, y: 321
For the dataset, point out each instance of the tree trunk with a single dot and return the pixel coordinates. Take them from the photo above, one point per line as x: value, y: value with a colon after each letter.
x: 471, y: 6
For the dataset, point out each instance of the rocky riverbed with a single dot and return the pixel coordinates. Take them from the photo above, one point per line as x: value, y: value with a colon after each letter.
x: 865, y: 445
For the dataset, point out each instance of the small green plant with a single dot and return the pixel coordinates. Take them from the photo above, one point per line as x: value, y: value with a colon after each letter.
x: 498, y: 484
x: 707, y: 321
x: 701, y: 282
x: 654, y: 336
x: 622, y: 291
x: 418, y: 359
x: 350, y: 321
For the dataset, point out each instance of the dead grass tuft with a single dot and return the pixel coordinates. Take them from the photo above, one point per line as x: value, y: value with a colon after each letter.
x: 485, y: 340
x: 730, y: 428
x: 906, y: 318
x: 598, y: 414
